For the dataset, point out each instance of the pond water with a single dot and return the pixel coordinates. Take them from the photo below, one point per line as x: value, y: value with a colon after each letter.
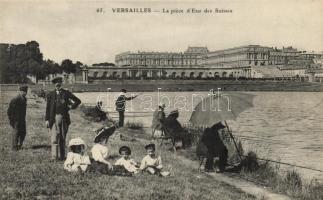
x: 282, y: 126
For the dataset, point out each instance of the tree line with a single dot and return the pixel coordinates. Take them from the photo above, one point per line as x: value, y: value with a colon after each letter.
x: 19, y: 60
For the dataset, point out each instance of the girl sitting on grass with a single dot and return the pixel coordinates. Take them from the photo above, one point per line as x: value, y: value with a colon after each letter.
x: 77, y: 159
x: 152, y: 163
x: 100, y: 152
x: 129, y: 164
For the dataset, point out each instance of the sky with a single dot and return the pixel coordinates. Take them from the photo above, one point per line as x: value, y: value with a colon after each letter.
x: 75, y: 30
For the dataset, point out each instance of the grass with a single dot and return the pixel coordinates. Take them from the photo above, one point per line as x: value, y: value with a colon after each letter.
x: 29, y: 174
x: 264, y: 173
x: 135, y: 125
x: 288, y: 182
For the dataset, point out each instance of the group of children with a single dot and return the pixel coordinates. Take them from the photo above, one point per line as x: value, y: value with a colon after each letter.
x: 77, y: 159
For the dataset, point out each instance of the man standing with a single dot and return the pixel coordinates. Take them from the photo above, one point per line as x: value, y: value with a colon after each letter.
x: 158, y: 120
x: 121, y: 105
x: 17, y: 117
x: 59, y: 102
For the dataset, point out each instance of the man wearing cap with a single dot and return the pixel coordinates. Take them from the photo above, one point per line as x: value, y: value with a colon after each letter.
x: 121, y: 105
x: 59, y: 102
x: 17, y: 117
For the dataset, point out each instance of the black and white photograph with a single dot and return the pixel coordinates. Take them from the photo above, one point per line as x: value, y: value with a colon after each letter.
x: 151, y: 99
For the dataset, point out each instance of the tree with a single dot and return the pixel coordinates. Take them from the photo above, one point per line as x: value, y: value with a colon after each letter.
x: 68, y: 66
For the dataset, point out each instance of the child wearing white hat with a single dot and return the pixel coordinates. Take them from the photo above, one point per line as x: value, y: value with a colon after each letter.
x: 77, y: 159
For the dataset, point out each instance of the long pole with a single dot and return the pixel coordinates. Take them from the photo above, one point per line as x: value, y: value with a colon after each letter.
x: 235, y: 144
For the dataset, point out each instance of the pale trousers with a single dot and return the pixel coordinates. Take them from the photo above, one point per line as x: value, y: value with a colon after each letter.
x: 58, y: 137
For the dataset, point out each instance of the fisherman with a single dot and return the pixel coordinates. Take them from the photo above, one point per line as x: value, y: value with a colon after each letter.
x: 17, y: 117
x: 215, y: 147
x: 59, y: 102
x: 102, y: 116
x: 121, y: 105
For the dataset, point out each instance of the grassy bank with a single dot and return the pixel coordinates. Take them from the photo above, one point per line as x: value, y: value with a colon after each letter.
x: 29, y: 174
x: 267, y: 174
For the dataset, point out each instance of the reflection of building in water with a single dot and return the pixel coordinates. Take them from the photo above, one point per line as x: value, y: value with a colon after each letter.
x: 250, y: 61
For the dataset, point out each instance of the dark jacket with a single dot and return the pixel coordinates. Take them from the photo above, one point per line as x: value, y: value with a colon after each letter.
x: 173, y: 124
x: 69, y: 99
x: 212, y: 141
x: 17, y: 110
x: 121, y: 102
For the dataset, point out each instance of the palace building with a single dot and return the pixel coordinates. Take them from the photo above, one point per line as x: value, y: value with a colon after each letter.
x: 250, y: 61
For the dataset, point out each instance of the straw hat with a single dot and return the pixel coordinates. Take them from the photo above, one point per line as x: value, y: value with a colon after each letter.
x: 76, y: 142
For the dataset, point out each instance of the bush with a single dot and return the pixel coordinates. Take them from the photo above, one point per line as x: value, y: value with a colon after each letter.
x: 293, y: 182
x: 250, y: 162
x: 135, y: 125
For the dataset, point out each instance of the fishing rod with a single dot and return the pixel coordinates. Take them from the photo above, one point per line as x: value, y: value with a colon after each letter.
x: 284, y: 163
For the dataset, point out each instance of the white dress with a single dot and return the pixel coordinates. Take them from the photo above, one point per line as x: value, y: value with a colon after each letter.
x: 74, y: 161
x: 100, y: 153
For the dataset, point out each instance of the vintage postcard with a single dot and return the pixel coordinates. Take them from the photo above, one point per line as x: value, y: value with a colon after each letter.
x: 155, y: 99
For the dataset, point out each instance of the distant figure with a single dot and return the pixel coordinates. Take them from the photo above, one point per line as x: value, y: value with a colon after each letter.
x: 175, y: 131
x: 17, y: 118
x: 152, y: 163
x: 100, y: 113
x: 77, y: 159
x: 59, y: 102
x: 121, y: 105
x: 158, y: 119
x: 211, y: 146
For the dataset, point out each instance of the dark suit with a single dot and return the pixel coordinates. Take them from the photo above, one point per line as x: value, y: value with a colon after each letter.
x: 17, y: 117
x: 57, y: 115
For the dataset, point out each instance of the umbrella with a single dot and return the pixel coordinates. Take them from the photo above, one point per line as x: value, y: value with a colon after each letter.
x: 220, y: 107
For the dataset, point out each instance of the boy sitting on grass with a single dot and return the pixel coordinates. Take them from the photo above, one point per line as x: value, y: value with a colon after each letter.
x: 77, y: 159
x: 129, y: 164
x: 152, y: 163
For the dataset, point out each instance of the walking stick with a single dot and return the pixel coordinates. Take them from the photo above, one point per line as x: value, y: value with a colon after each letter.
x: 235, y: 144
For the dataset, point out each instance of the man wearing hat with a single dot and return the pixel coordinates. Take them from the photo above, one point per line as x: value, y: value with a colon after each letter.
x: 17, y: 117
x: 121, y: 105
x: 59, y: 102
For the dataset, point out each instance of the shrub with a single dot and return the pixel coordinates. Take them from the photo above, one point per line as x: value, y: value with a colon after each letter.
x: 293, y: 182
x: 135, y: 125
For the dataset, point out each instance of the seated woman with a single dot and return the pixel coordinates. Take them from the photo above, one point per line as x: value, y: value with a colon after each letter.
x: 77, y: 159
x: 174, y: 130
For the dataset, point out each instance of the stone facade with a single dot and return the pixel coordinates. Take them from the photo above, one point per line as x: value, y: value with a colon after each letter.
x: 199, y: 63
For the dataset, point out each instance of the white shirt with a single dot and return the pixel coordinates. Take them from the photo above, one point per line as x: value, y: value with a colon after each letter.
x: 148, y: 161
x: 100, y: 152
x: 75, y: 160
x: 129, y: 164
